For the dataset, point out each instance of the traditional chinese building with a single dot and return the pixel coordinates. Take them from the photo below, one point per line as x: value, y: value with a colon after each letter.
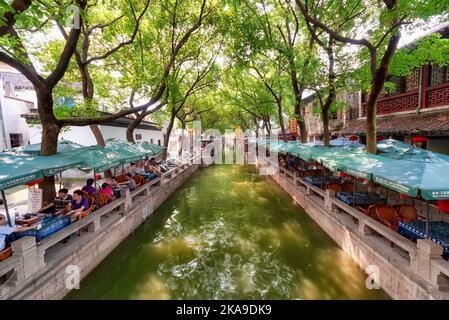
x: 416, y: 112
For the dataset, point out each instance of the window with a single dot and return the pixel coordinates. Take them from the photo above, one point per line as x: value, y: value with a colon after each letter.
x: 159, y: 142
x: 438, y: 75
x: 16, y: 139
x: 138, y: 136
x: 152, y: 140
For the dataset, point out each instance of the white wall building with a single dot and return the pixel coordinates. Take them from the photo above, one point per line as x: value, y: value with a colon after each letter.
x: 18, y: 104
x: 17, y: 97
x: 146, y: 131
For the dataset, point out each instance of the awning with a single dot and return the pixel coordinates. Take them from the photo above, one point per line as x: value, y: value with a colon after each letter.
x: 18, y: 169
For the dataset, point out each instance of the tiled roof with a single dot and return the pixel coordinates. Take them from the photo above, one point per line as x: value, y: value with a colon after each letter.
x: 424, y: 123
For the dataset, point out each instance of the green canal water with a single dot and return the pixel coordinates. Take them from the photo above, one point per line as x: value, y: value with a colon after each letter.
x: 228, y: 233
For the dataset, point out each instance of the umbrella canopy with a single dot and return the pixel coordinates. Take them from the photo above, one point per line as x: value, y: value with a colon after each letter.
x: 289, y: 146
x: 63, y: 146
x: 96, y: 158
x: 343, y: 142
x: 410, y: 177
x: 156, y: 149
x: 398, y: 150
x: 127, y: 152
x: 20, y: 169
x: 15, y: 171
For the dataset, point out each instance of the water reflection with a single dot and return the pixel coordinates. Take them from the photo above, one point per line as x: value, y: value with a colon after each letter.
x: 227, y: 234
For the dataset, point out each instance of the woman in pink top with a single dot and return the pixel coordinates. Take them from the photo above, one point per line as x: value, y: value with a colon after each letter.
x: 106, y: 190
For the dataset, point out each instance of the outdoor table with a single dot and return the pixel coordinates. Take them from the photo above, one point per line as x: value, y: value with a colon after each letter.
x: 49, y: 226
x: 309, y: 172
x: 318, y: 181
x: 361, y: 198
x: 438, y: 232
x: 33, y: 219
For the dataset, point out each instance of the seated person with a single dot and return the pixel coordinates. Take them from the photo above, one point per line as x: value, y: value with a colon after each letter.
x: 89, y: 188
x: 106, y: 189
x: 114, y: 186
x: 78, y: 204
x: 153, y: 169
x: 112, y: 182
x: 132, y: 169
x: 130, y: 183
x: 6, y: 231
x: 58, y: 204
x: 140, y: 168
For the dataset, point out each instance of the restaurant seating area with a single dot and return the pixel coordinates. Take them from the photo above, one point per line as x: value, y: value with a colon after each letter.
x: 28, y: 169
x: 404, y: 188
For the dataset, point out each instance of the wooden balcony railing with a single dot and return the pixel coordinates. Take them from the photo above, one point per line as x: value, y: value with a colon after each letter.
x: 436, y: 96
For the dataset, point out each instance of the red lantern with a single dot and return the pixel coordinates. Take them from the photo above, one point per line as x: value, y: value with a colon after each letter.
x: 33, y: 183
x: 420, y: 139
x: 443, y: 205
x: 353, y: 138
x: 342, y: 174
x: 379, y: 139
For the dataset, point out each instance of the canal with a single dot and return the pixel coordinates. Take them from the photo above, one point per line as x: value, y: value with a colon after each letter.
x: 228, y: 233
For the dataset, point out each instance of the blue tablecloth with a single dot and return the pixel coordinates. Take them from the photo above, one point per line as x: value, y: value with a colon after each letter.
x: 361, y: 198
x: 49, y: 226
x: 319, y: 181
x: 438, y: 232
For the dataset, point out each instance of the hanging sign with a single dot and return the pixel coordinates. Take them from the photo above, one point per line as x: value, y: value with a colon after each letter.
x: 293, y: 124
x: 34, y: 200
x: 238, y: 132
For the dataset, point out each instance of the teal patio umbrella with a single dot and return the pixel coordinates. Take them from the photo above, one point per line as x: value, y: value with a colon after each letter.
x: 63, y: 146
x: 96, y: 158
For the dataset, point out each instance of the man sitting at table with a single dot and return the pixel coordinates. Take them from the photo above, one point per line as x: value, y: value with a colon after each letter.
x: 78, y: 204
x: 89, y: 188
x: 153, y: 169
x: 130, y: 183
x: 59, y: 203
x: 6, y: 231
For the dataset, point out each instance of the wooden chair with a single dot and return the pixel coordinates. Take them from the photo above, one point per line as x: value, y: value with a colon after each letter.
x: 370, y: 211
x: 334, y: 186
x: 122, y: 178
x: 388, y: 216
x: 406, y: 212
x: 102, y: 200
x: 92, y: 204
x: 348, y: 186
x: 5, y: 253
x: 139, y: 180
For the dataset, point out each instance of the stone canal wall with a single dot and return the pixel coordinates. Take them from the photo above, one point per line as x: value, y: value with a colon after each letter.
x: 404, y: 269
x: 46, y: 270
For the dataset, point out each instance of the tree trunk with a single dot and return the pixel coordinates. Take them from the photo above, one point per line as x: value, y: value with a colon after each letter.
x: 326, y: 131
x: 281, y: 120
x: 49, y: 140
x: 379, y: 76
x: 183, y: 127
x: 371, y: 130
x: 168, y: 132
x: 98, y: 135
x: 130, y: 130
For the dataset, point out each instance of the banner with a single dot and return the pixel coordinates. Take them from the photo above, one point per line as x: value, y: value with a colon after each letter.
x: 293, y: 124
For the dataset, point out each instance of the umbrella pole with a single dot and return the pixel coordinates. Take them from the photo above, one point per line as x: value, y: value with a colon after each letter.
x: 5, y: 204
x: 354, y: 192
x: 427, y: 218
x: 96, y: 190
x: 322, y: 177
x: 60, y: 180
